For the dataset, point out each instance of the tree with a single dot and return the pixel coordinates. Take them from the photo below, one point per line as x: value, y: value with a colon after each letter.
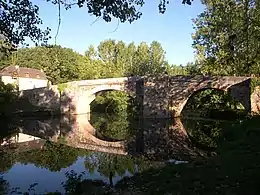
x: 19, y: 20
x: 111, y: 53
x: 124, y: 10
x: 141, y: 60
x: 227, y: 37
x: 157, y: 58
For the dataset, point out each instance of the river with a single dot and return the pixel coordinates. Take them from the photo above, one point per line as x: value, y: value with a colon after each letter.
x: 31, y: 160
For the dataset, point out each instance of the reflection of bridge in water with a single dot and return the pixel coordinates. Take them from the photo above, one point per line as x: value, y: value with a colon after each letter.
x: 157, y: 139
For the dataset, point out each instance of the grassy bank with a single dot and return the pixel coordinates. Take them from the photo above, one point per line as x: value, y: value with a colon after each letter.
x: 236, y: 170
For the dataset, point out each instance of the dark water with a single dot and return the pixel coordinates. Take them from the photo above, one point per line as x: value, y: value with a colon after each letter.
x: 47, y: 162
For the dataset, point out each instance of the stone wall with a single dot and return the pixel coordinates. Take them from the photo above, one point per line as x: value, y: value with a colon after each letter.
x: 50, y: 98
x: 255, y: 101
x: 156, y: 97
x: 241, y: 92
x: 45, y: 97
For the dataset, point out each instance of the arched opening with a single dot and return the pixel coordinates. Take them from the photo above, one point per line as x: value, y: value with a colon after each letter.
x: 111, y: 114
x: 207, y: 116
x: 213, y: 103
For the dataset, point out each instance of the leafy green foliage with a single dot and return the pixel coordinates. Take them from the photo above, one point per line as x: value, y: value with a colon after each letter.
x: 206, y: 135
x: 8, y: 95
x: 110, y: 102
x: 204, y: 101
x: 129, y: 9
x: 110, y: 59
x: 62, y: 87
x: 114, y: 126
x: 19, y: 20
x: 214, y: 104
x: 59, y: 64
x: 226, y: 37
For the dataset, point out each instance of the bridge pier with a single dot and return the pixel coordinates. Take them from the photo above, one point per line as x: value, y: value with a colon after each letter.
x: 83, y: 104
x: 155, y: 97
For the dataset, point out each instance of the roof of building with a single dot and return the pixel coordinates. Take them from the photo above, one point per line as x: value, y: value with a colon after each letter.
x: 23, y: 72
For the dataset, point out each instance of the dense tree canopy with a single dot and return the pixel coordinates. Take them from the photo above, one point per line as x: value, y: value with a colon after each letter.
x: 227, y: 37
x: 20, y: 20
x: 110, y: 59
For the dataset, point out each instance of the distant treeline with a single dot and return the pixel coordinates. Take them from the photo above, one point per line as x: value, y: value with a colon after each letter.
x: 110, y: 59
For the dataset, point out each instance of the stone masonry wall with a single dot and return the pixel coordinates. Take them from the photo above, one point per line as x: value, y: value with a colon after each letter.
x: 48, y: 98
x: 255, y: 101
x: 156, y: 97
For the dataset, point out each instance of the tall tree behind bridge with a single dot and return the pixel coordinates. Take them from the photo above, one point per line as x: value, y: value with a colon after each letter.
x: 118, y: 59
x: 227, y: 37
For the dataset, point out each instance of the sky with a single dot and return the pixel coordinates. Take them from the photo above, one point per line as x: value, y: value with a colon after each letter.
x: 173, y: 29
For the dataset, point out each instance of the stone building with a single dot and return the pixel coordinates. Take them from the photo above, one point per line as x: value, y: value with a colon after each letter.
x: 24, y: 78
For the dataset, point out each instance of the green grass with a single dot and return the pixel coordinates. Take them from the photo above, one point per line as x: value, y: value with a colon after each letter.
x: 235, y: 171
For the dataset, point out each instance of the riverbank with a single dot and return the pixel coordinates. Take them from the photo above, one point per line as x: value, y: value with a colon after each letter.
x: 236, y: 170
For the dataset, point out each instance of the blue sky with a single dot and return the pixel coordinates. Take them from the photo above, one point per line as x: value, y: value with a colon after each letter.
x: 172, y: 29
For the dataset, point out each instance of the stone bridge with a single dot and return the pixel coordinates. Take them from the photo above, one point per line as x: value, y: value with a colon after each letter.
x: 158, y: 97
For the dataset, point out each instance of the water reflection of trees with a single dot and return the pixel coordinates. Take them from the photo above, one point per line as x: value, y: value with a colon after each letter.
x: 109, y: 164
x: 206, y: 134
x: 108, y: 126
x: 4, y: 186
x: 52, y: 156
x: 112, y: 114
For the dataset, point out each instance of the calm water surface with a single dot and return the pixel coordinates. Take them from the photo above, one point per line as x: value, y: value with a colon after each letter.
x: 46, y: 163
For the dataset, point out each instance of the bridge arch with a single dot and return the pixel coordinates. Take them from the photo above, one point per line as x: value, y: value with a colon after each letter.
x: 88, y: 94
x: 195, y: 92
x: 106, y: 88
